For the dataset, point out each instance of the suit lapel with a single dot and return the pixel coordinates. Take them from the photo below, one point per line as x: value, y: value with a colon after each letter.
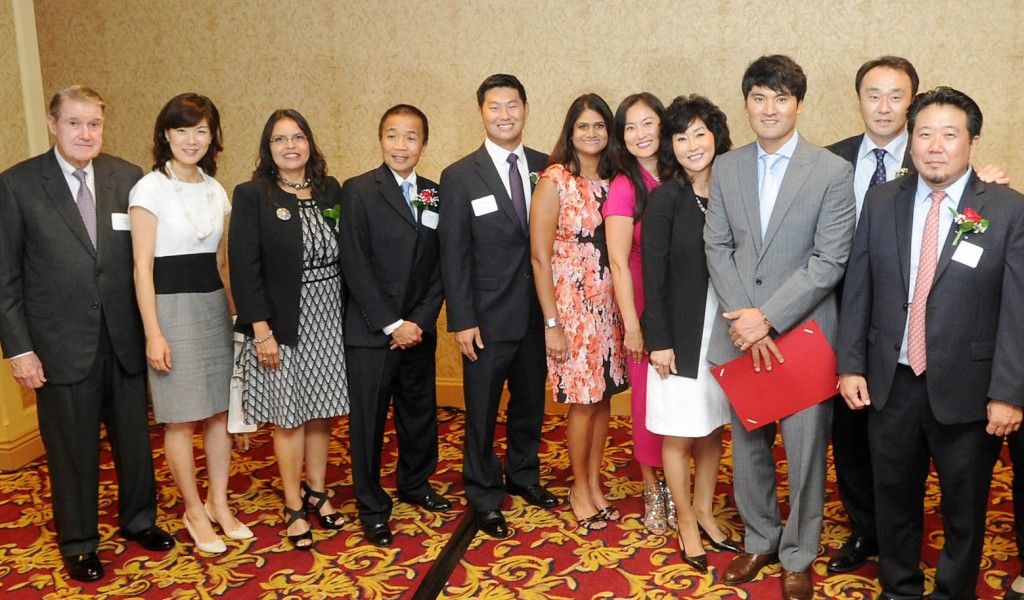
x: 104, y: 205
x: 485, y: 169
x: 748, y: 192
x: 796, y: 174
x: 973, y: 197
x: 392, y: 194
x: 59, y: 195
x: 903, y: 221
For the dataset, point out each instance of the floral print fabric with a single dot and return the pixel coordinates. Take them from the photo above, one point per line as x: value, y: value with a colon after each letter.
x: 596, y: 366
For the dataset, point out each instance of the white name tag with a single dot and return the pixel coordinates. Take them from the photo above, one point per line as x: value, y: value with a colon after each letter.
x: 429, y: 219
x: 484, y: 206
x: 968, y: 254
x: 120, y: 222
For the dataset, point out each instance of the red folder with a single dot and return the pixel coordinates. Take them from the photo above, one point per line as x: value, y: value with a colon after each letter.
x: 807, y: 377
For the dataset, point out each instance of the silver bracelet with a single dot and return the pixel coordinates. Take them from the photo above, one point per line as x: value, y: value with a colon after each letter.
x: 269, y: 335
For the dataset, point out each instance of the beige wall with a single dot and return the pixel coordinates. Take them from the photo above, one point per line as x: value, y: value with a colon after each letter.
x: 343, y: 63
x: 12, y: 118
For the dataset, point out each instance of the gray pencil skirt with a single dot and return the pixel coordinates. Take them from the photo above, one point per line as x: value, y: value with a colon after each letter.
x: 198, y: 329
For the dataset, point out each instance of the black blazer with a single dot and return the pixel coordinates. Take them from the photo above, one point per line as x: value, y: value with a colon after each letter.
x: 975, y: 325
x: 849, y: 147
x: 54, y: 286
x: 675, y: 274
x: 390, y: 261
x: 485, y: 259
x: 265, y: 255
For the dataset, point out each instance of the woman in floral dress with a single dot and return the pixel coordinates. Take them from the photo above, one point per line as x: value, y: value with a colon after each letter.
x: 583, y: 329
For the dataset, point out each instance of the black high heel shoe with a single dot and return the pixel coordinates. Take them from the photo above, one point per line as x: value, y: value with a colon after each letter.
x: 335, y: 520
x: 699, y: 562
x: 302, y: 541
x: 725, y: 545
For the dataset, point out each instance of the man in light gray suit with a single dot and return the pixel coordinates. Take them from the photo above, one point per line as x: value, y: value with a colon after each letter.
x: 779, y: 227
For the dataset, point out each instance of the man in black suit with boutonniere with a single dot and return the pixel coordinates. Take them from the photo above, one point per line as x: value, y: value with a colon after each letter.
x: 492, y: 303
x: 389, y: 256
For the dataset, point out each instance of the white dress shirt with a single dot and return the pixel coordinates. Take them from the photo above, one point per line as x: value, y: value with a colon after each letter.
x: 500, y: 157
x: 895, y: 151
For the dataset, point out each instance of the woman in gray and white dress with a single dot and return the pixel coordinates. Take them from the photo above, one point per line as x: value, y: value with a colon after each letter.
x: 177, y: 215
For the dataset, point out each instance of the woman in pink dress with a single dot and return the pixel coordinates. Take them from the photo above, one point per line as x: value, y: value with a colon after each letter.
x: 637, y: 127
x: 583, y: 329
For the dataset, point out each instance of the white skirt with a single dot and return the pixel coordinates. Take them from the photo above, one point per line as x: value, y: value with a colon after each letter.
x: 684, y: 407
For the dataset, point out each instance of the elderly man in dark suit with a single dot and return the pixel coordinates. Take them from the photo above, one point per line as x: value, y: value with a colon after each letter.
x: 492, y: 303
x: 930, y: 337
x: 779, y: 226
x: 389, y: 256
x: 71, y: 327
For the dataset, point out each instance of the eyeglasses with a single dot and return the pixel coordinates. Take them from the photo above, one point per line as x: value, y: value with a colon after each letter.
x: 298, y: 138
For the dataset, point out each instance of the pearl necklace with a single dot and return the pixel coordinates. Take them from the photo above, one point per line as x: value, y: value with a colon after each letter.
x: 201, y: 232
x: 703, y: 207
x: 295, y: 186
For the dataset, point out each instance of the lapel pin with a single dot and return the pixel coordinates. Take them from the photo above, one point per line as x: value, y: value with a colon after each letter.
x: 284, y: 214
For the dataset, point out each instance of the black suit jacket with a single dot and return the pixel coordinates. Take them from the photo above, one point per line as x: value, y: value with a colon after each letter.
x: 390, y: 261
x: 974, y: 320
x: 675, y: 274
x: 265, y: 255
x: 54, y: 286
x: 485, y: 259
x: 849, y: 147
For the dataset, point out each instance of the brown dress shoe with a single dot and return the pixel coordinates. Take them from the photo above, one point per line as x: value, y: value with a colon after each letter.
x: 796, y: 585
x: 746, y: 566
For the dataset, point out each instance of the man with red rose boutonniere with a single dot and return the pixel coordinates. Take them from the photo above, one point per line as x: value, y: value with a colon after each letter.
x: 885, y: 86
x: 389, y: 256
x: 930, y: 338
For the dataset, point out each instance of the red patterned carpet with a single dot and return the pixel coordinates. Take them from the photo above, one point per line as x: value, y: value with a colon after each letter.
x: 547, y: 557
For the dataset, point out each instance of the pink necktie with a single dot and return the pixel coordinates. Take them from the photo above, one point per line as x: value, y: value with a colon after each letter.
x: 916, y: 338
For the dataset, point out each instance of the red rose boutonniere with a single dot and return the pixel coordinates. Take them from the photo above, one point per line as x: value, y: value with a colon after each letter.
x: 968, y: 221
x: 427, y: 199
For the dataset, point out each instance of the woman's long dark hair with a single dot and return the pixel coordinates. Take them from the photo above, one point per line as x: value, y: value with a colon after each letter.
x: 565, y: 154
x: 266, y: 168
x: 626, y: 162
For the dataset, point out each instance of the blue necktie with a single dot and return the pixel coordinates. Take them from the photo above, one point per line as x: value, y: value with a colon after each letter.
x: 407, y: 192
x: 879, y: 175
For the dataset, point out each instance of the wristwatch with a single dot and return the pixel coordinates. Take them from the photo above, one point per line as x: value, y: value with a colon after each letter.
x: 552, y: 322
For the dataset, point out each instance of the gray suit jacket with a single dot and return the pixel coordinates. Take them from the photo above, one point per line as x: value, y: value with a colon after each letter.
x: 54, y: 286
x: 790, y: 275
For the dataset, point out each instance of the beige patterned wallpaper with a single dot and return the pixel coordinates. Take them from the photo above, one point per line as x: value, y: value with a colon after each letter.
x: 343, y: 63
x: 12, y: 116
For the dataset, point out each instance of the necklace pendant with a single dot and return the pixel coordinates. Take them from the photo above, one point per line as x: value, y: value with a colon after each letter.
x: 284, y: 214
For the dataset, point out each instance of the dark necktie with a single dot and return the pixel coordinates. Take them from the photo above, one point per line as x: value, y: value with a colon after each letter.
x: 515, y: 185
x: 916, y: 338
x: 86, y: 205
x: 879, y: 175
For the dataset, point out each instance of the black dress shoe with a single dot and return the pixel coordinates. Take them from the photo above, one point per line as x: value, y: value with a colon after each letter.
x: 84, y: 567
x: 431, y: 501
x: 492, y: 522
x: 152, y: 538
x: 378, y: 534
x: 535, y: 494
x: 852, y: 555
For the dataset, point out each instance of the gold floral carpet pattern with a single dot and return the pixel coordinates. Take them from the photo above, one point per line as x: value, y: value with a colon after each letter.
x: 547, y: 557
